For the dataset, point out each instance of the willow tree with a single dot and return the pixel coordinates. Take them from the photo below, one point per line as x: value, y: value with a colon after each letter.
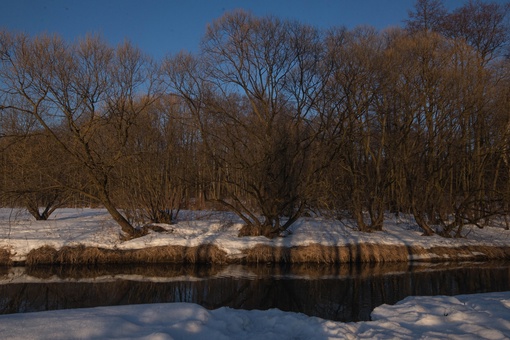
x: 33, y: 175
x: 158, y: 177
x: 442, y: 82
x: 422, y: 95
x: 252, y: 89
x: 360, y: 176
x: 86, y: 96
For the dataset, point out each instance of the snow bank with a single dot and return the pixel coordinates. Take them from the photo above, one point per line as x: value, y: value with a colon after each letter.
x: 476, y: 316
x: 482, y: 316
x: 20, y: 233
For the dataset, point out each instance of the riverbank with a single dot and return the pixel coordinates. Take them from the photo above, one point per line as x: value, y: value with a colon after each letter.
x: 316, y: 253
x: 89, y: 236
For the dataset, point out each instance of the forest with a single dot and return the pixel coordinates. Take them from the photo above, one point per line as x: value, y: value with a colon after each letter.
x: 272, y: 119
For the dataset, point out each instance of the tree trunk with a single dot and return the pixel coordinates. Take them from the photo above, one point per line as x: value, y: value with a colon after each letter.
x: 122, y: 221
x: 358, y: 216
x: 418, y: 217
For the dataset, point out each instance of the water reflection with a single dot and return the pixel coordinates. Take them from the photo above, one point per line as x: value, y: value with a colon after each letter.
x: 345, y: 293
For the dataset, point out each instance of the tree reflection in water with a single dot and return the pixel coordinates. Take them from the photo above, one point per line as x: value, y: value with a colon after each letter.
x: 344, y: 293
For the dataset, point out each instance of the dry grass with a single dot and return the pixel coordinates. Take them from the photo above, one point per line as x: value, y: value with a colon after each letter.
x: 315, y: 253
x: 43, y: 255
x: 5, y: 257
x: 370, y: 253
x: 258, y: 230
x: 94, y: 255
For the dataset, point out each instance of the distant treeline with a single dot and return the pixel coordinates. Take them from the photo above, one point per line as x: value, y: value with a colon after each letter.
x: 272, y: 119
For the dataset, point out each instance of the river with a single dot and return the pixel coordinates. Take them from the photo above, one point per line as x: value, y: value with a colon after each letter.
x: 340, y: 292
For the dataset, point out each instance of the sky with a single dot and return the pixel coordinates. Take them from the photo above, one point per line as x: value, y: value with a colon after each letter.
x: 161, y: 27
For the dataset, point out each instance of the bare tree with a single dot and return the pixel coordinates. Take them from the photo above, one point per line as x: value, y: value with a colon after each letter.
x: 360, y: 130
x: 85, y: 96
x: 484, y: 25
x: 428, y: 15
x: 445, y: 149
x: 252, y: 91
x: 156, y: 179
x: 34, y: 166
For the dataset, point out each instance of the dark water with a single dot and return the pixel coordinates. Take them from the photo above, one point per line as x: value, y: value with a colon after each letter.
x: 344, y: 293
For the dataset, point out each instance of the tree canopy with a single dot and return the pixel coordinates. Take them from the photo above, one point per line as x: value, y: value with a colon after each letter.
x: 272, y: 119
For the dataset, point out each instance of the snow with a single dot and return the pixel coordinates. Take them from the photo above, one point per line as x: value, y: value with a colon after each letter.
x: 20, y: 233
x: 478, y: 316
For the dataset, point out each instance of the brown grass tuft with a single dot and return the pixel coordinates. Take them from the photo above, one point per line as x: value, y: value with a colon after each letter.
x: 258, y: 230
x: 316, y: 253
x: 5, y: 257
x: 94, y: 255
x: 205, y: 254
x: 42, y: 255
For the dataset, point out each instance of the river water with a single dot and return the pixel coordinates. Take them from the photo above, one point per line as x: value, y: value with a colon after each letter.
x: 341, y: 292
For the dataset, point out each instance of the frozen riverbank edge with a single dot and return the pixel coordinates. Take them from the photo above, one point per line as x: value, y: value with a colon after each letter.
x: 89, y: 236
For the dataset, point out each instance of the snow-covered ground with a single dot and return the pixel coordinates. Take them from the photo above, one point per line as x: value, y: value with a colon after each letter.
x: 20, y: 233
x: 480, y: 316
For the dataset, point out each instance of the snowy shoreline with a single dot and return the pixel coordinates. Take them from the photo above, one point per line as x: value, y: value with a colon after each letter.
x: 90, y: 236
x: 477, y: 316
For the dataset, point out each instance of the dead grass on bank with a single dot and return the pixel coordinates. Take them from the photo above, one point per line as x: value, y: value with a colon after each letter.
x: 94, y: 255
x: 371, y: 253
x: 314, y: 253
x: 5, y: 257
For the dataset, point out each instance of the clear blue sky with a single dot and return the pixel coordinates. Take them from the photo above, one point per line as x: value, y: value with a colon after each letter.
x: 159, y: 27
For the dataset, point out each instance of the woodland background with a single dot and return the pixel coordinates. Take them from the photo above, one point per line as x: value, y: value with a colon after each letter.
x: 272, y: 119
